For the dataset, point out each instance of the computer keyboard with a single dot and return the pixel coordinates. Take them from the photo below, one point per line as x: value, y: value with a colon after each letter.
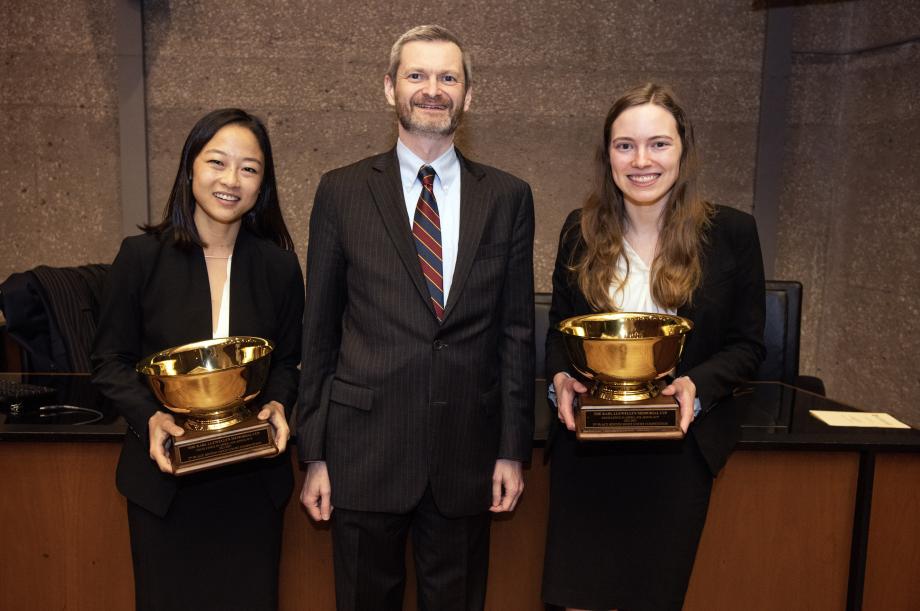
x: 19, y: 392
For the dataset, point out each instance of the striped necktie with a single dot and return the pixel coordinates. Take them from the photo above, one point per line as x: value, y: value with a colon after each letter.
x: 426, y: 228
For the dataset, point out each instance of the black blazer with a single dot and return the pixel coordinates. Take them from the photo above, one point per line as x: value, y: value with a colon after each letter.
x: 158, y: 297
x: 725, y: 346
x: 392, y: 400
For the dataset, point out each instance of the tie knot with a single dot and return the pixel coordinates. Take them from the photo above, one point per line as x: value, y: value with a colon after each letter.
x: 426, y: 175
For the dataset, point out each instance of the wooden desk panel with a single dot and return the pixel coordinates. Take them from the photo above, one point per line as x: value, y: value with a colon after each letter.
x: 778, y: 535
x: 893, y: 563
x: 306, y: 559
x: 63, y: 528
x: 518, y: 542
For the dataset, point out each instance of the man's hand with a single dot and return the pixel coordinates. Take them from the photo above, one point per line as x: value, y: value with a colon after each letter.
x: 567, y: 388
x: 316, y: 494
x: 274, y: 413
x: 507, y: 485
x: 160, y: 426
x: 684, y: 390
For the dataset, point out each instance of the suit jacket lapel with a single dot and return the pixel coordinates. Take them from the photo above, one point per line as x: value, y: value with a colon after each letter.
x: 196, y: 298
x: 475, y: 199
x: 387, y: 192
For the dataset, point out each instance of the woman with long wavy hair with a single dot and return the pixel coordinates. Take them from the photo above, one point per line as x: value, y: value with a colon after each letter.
x: 626, y: 517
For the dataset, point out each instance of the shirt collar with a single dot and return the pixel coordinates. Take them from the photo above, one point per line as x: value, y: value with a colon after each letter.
x: 447, y: 166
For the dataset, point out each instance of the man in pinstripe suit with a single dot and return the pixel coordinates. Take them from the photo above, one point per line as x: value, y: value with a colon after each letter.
x: 416, y: 395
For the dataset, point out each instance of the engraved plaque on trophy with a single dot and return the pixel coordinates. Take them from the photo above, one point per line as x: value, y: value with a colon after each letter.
x: 208, y: 385
x: 625, y: 356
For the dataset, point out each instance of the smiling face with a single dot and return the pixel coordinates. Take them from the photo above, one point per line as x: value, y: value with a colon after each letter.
x: 226, y: 176
x: 429, y: 93
x: 645, y: 151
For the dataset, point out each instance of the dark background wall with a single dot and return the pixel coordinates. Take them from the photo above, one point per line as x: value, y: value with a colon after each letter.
x: 545, y: 73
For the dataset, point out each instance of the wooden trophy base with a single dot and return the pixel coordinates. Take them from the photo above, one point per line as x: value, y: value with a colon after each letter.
x: 655, y: 418
x: 199, y: 450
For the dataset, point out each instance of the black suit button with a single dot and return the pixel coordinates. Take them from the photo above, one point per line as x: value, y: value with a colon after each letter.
x: 439, y: 345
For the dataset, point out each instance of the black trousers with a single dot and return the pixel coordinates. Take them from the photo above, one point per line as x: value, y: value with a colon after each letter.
x: 451, y: 559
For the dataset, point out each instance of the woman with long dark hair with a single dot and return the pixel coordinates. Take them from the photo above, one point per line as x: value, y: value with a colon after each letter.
x: 220, y: 263
x: 626, y: 517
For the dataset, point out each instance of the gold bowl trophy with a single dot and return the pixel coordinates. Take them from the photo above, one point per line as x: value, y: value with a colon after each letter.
x: 626, y: 355
x: 208, y: 385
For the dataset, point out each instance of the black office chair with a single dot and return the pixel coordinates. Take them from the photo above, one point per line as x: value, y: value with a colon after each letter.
x: 542, y: 414
x: 541, y: 303
x: 782, y: 333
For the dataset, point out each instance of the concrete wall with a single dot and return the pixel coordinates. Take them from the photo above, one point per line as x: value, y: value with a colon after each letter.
x: 545, y: 73
x: 849, y: 214
x: 58, y: 134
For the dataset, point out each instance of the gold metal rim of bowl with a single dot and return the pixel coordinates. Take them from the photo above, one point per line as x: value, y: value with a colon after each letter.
x: 568, y: 325
x: 149, y: 361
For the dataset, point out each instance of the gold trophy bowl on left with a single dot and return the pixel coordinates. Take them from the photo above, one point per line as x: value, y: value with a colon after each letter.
x: 209, y: 381
x: 207, y: 384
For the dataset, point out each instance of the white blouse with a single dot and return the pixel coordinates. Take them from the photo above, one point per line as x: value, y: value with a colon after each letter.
x: 223, y: 317
x: 636, y: 294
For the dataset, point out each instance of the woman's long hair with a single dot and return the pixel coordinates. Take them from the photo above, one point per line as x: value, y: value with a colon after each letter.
x: 676, y: 270
x: 265, y: 219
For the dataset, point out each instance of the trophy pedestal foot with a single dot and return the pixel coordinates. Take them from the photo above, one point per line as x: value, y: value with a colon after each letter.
x: 654, y: 418
x: 199, y: 450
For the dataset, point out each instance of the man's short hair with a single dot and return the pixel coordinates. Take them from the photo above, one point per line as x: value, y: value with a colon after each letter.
x: 429, y: 33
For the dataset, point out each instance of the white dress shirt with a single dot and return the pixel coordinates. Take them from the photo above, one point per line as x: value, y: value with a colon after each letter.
x: 447, y: 194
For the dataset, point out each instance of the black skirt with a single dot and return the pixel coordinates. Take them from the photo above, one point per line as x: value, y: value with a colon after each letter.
x: 218, y: 547
x: 624, y: 523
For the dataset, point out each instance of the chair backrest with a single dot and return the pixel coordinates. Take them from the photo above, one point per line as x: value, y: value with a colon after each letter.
x: 541, y: 303
x: 782, y: 332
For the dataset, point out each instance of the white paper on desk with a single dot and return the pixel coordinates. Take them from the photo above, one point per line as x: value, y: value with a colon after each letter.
x: 879, y: 420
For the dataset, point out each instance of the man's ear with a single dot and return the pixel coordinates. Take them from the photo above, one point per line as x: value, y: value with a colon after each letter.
x: 467, y: 98
x: 388, y: 90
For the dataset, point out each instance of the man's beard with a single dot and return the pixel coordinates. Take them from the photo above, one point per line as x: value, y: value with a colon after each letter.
x: 442, y: 126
